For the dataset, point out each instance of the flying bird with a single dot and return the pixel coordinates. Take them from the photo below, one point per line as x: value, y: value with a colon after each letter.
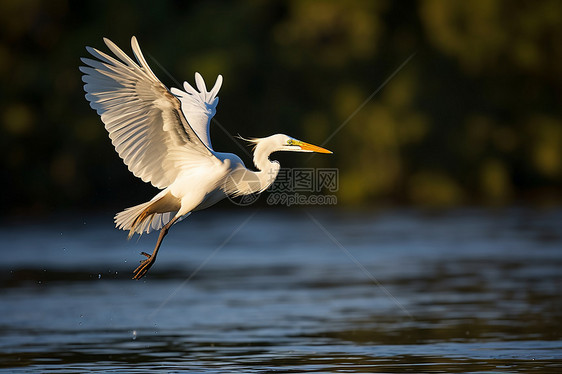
x: 162, y: 135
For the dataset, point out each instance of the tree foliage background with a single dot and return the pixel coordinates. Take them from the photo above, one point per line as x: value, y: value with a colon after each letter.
x: 473, y: 118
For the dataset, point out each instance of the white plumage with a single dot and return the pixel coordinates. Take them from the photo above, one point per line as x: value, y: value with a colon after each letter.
x: 163, y: 138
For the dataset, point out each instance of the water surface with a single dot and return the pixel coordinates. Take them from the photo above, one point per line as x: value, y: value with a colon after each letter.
x: 287, y: 291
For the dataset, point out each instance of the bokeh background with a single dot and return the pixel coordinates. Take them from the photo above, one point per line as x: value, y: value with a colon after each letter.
x: 474, y: 118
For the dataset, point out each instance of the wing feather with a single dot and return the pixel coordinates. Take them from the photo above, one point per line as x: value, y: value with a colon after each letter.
x: 199, y: 105
x: 144, y: 120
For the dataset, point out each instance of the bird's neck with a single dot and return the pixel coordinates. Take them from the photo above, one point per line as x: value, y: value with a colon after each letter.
x: 267, y: 169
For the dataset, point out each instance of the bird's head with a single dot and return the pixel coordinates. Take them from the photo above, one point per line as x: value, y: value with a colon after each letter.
x: 282, y: 142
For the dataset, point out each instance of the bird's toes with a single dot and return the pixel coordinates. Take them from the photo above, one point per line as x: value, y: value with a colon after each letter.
x: 139, y: 273
x: 142, y: 269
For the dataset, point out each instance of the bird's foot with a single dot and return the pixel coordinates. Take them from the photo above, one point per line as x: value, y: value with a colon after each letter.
x: 144, y: 266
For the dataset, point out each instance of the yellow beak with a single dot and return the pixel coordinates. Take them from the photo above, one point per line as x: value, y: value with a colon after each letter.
x: 311, y: 148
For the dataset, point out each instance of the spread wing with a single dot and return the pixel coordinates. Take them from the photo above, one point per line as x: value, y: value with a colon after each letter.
x: 144, y: 120
x: 199, y: 107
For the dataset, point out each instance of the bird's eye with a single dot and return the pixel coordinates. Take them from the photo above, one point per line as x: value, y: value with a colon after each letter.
x: 290, y: 142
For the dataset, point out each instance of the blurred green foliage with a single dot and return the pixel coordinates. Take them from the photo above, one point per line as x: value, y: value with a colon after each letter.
x: 473, y: 118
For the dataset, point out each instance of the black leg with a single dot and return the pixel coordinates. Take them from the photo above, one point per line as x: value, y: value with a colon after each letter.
x: 147, y: 264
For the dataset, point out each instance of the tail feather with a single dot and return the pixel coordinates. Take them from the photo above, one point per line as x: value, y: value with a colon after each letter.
x: 139, y: 219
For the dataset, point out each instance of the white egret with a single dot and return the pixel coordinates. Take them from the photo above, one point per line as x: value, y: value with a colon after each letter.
x: 163, y: 137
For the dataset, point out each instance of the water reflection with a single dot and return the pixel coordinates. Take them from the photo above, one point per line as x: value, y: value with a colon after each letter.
x: 481, y: 292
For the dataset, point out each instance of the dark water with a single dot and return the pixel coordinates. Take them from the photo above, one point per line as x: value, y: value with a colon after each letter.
x: 287, y: 291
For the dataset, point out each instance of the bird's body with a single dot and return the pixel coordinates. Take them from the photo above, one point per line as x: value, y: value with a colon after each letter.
x: 163, y: 137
